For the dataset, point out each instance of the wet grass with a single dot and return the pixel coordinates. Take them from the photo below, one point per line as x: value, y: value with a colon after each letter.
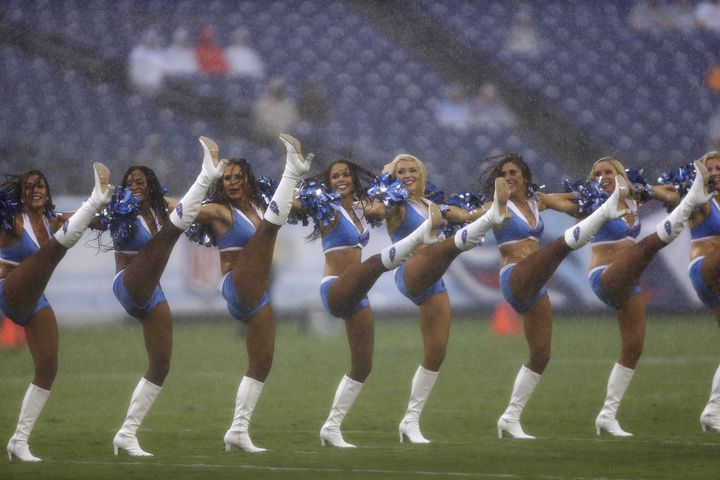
x: 100, y: 367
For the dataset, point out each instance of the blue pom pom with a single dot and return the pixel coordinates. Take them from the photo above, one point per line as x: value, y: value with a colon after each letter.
x: 390, y: 192
x: 9, y: 208
x: 317, y: 202
x: 681, y: 178
x: 119, y: 215
x: 200, y: 234
x: 433, y: 194
x: 467, y: 200
x: 266, y: 187
x: 588, y: 194
x: 639, y: 183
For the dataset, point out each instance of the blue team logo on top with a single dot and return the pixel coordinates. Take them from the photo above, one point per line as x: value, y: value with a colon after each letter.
x: 668, y: 227
x: 463, y: 236
x: 65, y: 226
x: 274, y: 207
x: 576, y: 233
x: 392, y: 252
x: 179, y: 210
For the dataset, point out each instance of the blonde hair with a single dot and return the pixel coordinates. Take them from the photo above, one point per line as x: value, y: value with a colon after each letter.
x: 712, y: 154
x: 619, y: 168
x: 392, y: 167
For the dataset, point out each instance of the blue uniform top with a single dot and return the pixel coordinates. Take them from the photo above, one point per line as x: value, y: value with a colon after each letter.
x: 26, y: 245
x: 345, y: 234
x: 415, y: 214
x: 710, y: 227
x: 239, y: 234
x: 140, y: 238
x: 618, y: 229
x: 516, y: 228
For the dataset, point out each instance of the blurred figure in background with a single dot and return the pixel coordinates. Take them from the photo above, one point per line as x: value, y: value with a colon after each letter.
x: 180, y: 55
x: 455, y: 110
x: 29, y: 253
x: 707, y: 16
x: 209, y: 54
x: 649, y: 16
x: 490, y: 111
x: 523, y: 39
x: 147, y: 64
x: 243, y: 60
x: 274, y: 111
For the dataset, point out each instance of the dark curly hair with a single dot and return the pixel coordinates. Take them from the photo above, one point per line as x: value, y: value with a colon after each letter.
x: 156, y: 196
x: 488, y: 176
x: 14, y: 186
x: 217, y: 194
x: 361, y: 178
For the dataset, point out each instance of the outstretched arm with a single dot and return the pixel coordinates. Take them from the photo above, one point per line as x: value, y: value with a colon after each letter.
x: 560, y: 202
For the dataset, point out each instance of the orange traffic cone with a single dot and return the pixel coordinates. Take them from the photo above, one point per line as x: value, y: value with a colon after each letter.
x: 506, y: 321
x: 11, y: 334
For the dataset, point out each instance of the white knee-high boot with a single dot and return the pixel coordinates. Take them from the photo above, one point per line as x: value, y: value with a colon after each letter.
x: 32, y: 405
x: 710, y: 418
x: 580, y: 234
x: 295, y: 167
x: 422, y: 385
x: 669, y: 229
x: 140, y: 403
x: 247, y: 396
x: 620, y: 378
x: 524, y: 386
x: 189, y: 205
x: 74, y: 228
x: 470, y: 236
x: 345, y: 395
x: 396, y: 254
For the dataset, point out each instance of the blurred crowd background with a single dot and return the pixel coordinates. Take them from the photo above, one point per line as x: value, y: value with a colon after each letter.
x: 452, y: 82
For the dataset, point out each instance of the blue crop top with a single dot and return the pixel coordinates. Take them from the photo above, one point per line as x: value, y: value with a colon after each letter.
x: 139, y: 239
x: 517, y: 229
x: 239, y: 234
x: 345, y: 234
x: 710, y: 227
x: 617, y: 229
x: 26, y: 245
x: 415, y: 214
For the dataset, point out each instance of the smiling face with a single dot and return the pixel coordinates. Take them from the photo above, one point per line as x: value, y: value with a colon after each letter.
x: 604, y: 173
x: 137, y: 183
x: 513, y: 175
x: 712, y: 163
x: 409, y: 174
x: 35, y: 192
x: 341, y: 180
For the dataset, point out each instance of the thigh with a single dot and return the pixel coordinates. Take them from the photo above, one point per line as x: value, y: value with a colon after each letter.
x: 426, y: 266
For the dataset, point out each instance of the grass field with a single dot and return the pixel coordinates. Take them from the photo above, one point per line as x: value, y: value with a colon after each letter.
x: 99, y: 367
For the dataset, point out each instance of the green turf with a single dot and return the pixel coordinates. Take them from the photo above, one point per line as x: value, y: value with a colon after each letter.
x: 99, y: 368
